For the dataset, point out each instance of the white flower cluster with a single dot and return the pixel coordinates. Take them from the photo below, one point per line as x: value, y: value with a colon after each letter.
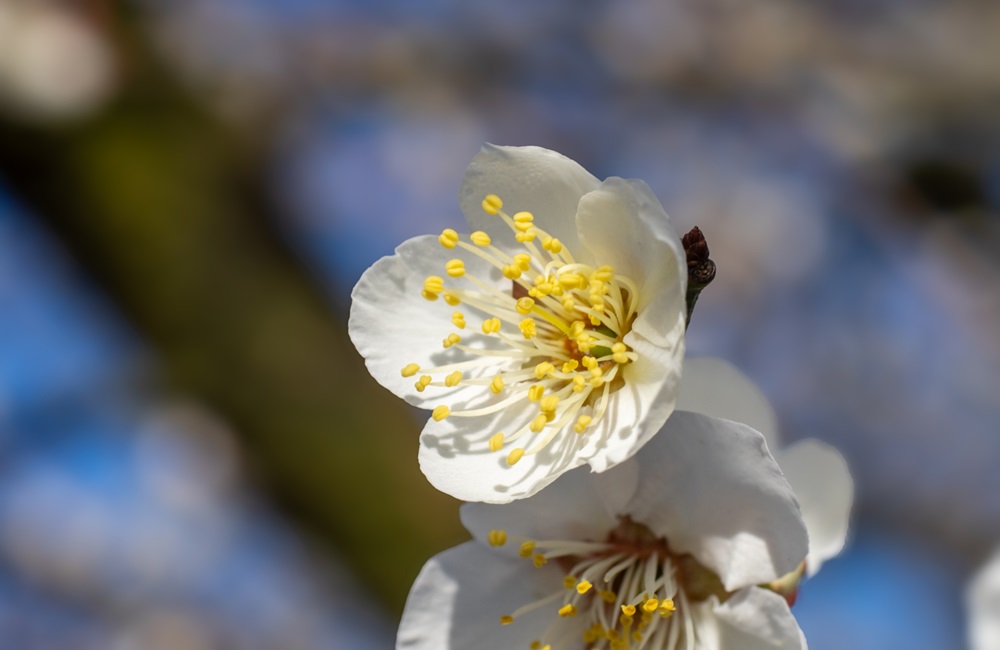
x: 551, y: 337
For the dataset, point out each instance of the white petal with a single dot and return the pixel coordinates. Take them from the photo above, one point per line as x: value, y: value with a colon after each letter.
x: 983, y: 602
x: 624, y: 225
x: 752, y: 619
x: 392, y: 325
x: 580, y: 506
x: 455, y: 457
x: 711, y: 488
x: 540, y: 181
x: 716, y: 387
x: 638, y: 410
x: 457, y: 600
x: 823, y: 486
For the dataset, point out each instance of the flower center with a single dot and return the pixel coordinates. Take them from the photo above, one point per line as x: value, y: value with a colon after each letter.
x: 561, y: 327
x: 625, y: 588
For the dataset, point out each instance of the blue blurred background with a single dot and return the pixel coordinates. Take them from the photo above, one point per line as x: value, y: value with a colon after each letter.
x: 192, y: 454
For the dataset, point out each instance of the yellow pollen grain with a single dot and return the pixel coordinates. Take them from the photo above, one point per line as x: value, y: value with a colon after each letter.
x: 526, y: 549
x: 492, y: 204
x: 582, y: 423
x: 410, y: 369
x: 535, y: 392
x: 434, y: 284
x: 497, y: 537
x: 583, y: 587
x: 453, y: 379
x: 567, y: 610
x: 479, y: 238
x: 496, y: 385
x: 538, y: 423
x: 458, y: 320
x: 515, y: 455
x: 448, y: 238
x: 650, y: 605
x: 452, y: 299
x: 455, y: 268
x: 422, y: 383
x: 528, y: 328
x: 506, y: 620
x: 496, y: 442
x: 525, y: 305
x: 440, y: 412
x: 491, y: 325
x: 539, y: 560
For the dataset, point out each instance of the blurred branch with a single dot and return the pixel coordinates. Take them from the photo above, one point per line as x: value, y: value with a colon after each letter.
x: 170, y: 213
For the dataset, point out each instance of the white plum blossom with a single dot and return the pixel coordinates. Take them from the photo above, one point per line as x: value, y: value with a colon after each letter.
x: 983, y: 604
x: 816, y: 471
x: 549, y: 337
x: 666, y: 551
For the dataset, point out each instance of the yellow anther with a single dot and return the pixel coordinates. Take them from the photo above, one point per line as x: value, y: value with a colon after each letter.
x: 568, y: 303
x: 544, y: 369
x: 583, y: 587
x: 525, y: 305
x: 544, y: 289
x: 607, y: 595
x: 422, y: 383
x: 526, y: 549
x: 552, y: 244
x: 496, y: 442
x: 628, y: 610
x: 514, y: 456
x: 538, y: 423
x: 589, y: 363
x: 448, y: 238
x: 511, y: 271
x: 497, y: 537
x: 428, y: 295
x: 497, y: 385
x: 451, y: 299
x: 451, y: 340
x: 526, y: 237
x: 567, y: 610
x: 619, y: 354
x: 650, y: 605
x: 536, y: 645
x: 572, y: 280
x: 576, y: 328
x: 506, y: 620
x: 535, y: 392
x: 626, y: 621
x: 549, y: 404
x: 570, y: 366
x: 458, y: 320
x: 582, y: 423
x: 595, y: 318
x: 410, y: 369
x: 433, y: 284
x: 479, y: 238
x: 569, y: 582
x: 440, y: 412
x: 455, y: 268
x: 667, y: 607
x: 538, y: 560
x: 585, y: 342
x: 453, y: 379
x: 491, y: 325
x: 603, y: 273
x: 523, y: 220
x: 528, y: 328
x: 492, y: 204
x: 579, y: 384
x: 523, y: 261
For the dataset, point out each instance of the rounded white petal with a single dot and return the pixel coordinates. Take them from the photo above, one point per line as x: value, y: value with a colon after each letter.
x: 455, y: 456
x: 823, y: 486
x: 624, y: 225
x: 540, y: 181
x: 752, y: 619
x: 579, y: 506
x: 392, y: 325
x: 457, y: 600
x: 712, y: 489
x: 983, y: 603
x: 716, y: 387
